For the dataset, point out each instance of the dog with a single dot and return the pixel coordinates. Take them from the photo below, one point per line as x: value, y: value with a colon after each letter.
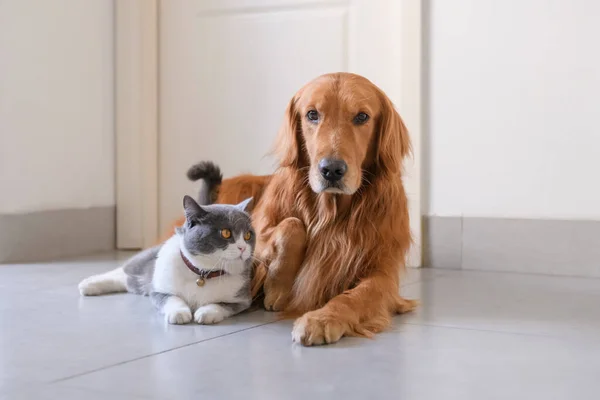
x: 332, y: 222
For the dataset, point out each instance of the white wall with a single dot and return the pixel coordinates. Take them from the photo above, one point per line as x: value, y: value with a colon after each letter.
x: 514, y: 108
x: 56, y: 104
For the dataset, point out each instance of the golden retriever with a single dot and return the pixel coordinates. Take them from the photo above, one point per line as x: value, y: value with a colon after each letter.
x: 332, y: 222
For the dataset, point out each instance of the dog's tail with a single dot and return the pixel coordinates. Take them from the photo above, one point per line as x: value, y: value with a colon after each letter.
x: 211, y: 177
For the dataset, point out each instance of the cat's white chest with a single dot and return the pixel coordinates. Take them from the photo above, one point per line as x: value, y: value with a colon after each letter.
x: 215, y: 290
x: 171, y: 276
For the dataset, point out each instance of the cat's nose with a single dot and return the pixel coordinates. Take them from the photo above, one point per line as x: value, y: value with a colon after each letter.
x: 242, y: 248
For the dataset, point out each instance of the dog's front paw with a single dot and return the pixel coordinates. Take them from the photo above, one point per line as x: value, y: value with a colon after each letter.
x: 276, y: 298
x: 406, y: 305
x: 178, y: 316
x: 313, y: 328
x: 209, y: 314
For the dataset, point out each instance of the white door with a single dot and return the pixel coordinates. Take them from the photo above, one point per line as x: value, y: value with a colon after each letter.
x: 227, y: 69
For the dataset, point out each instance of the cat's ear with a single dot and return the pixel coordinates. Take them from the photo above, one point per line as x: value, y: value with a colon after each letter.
x: 192, y: 210
x: 243, y: 206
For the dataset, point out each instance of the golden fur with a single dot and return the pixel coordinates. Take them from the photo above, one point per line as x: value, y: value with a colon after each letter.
x: 333, y: 255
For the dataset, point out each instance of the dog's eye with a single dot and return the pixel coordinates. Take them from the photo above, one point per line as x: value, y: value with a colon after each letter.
x: 312, y: 115
x: 361, y: 118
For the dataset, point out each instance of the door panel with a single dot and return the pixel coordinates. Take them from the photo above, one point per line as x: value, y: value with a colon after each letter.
x: 226, y: 80
x: 228, y: 69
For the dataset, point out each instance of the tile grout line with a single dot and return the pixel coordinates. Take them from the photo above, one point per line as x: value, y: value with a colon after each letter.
x: 485, y: 330
x: 410, y: 284
x: 156, y: 354
x: 511, y: 272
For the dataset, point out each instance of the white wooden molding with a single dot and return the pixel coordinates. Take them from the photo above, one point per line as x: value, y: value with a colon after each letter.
x: 411, y: 107
x: 136, y: 99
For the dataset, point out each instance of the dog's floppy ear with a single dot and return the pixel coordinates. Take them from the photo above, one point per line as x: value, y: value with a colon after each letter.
x: 287, y: 144
x: 393, y: 142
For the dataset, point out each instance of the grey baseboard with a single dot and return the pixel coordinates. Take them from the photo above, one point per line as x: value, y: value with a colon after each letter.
x: 48, y: 235
x: 556, y: 247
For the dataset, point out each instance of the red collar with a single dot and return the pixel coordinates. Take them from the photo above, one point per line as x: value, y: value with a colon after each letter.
x: 203, y: 275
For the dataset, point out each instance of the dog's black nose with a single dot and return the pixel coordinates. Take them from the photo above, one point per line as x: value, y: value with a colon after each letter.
x: 332, y: 170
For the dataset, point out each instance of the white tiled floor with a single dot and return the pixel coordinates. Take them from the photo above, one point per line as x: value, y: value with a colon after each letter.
x: 478, y: 335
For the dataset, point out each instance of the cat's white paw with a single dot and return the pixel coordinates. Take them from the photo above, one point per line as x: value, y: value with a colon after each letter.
x: 109, y: 282
x: 178, y: 316
x: 209, y: 314
x: 91, y: 287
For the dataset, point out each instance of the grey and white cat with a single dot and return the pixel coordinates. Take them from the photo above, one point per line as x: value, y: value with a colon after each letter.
x: 202, y: 272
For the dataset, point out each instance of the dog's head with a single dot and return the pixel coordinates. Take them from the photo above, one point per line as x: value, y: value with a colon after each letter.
x: 338, y: 126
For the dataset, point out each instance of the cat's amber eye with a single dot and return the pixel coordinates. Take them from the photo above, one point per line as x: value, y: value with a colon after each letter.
x: 225, y: 233
x: 247, y: 235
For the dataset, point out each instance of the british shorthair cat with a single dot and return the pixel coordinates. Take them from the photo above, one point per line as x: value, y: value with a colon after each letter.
x: 202, y: 272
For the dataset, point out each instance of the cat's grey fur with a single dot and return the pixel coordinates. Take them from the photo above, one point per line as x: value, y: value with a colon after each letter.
x: 161, y: 273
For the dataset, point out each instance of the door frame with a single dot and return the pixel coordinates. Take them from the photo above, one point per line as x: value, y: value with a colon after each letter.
x: 137, y: 116
x: 410, y: 104
x: 136, y: 122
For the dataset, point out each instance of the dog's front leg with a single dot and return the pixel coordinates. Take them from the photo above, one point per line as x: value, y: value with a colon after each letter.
x: 284, y: 254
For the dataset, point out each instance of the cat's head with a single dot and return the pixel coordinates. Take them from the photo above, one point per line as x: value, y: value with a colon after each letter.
x: 221, y: 234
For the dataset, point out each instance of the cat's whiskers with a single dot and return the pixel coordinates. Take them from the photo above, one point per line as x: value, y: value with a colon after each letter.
x: 218, y: 263
x: 206, y: 260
